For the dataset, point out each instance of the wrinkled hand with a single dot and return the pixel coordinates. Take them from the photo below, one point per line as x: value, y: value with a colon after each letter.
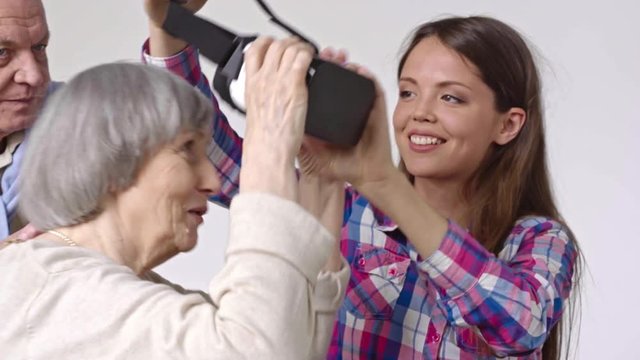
x: 368, y: 162
x: 276, y: 99
x: 157, y: 9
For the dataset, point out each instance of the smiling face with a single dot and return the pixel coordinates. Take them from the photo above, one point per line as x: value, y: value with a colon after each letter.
x: 161, y: 211
x: 445, y: 120
x: 24, y: 70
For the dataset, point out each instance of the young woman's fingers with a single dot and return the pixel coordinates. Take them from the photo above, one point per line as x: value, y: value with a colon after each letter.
x: 341, y: 56
x: 335, y: 56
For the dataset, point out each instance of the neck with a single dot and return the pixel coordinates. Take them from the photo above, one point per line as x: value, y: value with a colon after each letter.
x: 445, y: 196
x: 102, y: 235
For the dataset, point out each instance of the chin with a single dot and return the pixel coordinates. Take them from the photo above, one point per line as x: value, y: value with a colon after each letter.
x: 17, y: 123
x: 190, y: 247
x: 420, y: 171
x: 187, y: 243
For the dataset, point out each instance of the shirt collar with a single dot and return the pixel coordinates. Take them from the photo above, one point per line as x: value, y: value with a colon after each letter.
x: 13, y: 140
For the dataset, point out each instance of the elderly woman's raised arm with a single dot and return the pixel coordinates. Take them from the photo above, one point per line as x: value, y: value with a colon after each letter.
x: 263, y: 304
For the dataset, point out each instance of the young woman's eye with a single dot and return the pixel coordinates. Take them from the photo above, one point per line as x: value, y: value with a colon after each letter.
x: 405, y: 94
x: 452, y: 99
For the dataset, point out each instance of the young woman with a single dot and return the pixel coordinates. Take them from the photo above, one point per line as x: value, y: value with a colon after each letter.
x: 460, y: 253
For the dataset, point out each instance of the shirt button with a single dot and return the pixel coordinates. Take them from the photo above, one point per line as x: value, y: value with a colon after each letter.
x: 433, y: 338
x: 361, y: 262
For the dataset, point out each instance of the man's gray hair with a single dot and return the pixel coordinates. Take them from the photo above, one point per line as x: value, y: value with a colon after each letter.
x: 94, y: 134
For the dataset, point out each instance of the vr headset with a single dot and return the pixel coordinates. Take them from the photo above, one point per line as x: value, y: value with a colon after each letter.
x: 339, y: 99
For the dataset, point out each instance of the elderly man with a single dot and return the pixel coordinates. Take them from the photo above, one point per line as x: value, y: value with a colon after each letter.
x: 24, y: 86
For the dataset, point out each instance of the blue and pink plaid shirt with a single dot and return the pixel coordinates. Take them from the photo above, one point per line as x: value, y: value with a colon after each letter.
x: 400, y: 306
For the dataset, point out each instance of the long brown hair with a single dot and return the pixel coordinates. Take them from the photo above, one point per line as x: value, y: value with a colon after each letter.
x: 513, y: 180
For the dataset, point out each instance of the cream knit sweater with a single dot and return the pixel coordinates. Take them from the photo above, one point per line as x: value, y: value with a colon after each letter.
x: 270, y: 301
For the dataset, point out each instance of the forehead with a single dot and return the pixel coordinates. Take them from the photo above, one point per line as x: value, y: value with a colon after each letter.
x: 430, y: 57
x: 22, y: 15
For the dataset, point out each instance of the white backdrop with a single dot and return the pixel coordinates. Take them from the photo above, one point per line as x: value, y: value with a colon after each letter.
x: 589, y: 55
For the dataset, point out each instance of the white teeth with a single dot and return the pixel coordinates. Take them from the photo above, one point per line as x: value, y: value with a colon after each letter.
x: 425, y: 140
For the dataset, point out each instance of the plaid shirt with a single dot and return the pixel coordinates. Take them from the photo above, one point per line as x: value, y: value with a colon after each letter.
x: 400, y: 306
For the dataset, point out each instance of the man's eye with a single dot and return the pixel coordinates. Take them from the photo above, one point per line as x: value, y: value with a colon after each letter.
x: 40, y: 47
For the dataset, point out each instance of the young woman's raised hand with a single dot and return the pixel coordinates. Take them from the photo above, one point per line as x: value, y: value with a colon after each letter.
x: 366, y: 163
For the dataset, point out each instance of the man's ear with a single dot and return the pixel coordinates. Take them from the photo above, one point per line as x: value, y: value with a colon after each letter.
x: 511, y: 122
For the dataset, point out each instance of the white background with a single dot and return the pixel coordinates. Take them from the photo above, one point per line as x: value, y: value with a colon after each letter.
x: 590, y: 58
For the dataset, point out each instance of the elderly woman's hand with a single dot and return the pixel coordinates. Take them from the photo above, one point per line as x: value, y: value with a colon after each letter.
x: 276, y: 99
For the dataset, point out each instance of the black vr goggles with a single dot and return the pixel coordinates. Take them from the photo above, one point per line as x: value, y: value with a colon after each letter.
x: 339, y: 99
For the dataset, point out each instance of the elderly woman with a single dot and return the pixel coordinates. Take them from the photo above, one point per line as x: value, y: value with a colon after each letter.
x: 118, y: 177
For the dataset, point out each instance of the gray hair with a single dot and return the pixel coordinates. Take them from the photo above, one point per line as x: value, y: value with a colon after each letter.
x: 94, y: 134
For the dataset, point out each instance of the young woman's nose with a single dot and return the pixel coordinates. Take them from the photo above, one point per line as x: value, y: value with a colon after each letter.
x: 423, y: 111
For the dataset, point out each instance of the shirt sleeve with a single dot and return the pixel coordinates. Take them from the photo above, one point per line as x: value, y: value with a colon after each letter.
x: 305, y: 299
x: 225, y: 151
x: 328, y: 296
x: 512, y: 304
x: 271, y: 299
